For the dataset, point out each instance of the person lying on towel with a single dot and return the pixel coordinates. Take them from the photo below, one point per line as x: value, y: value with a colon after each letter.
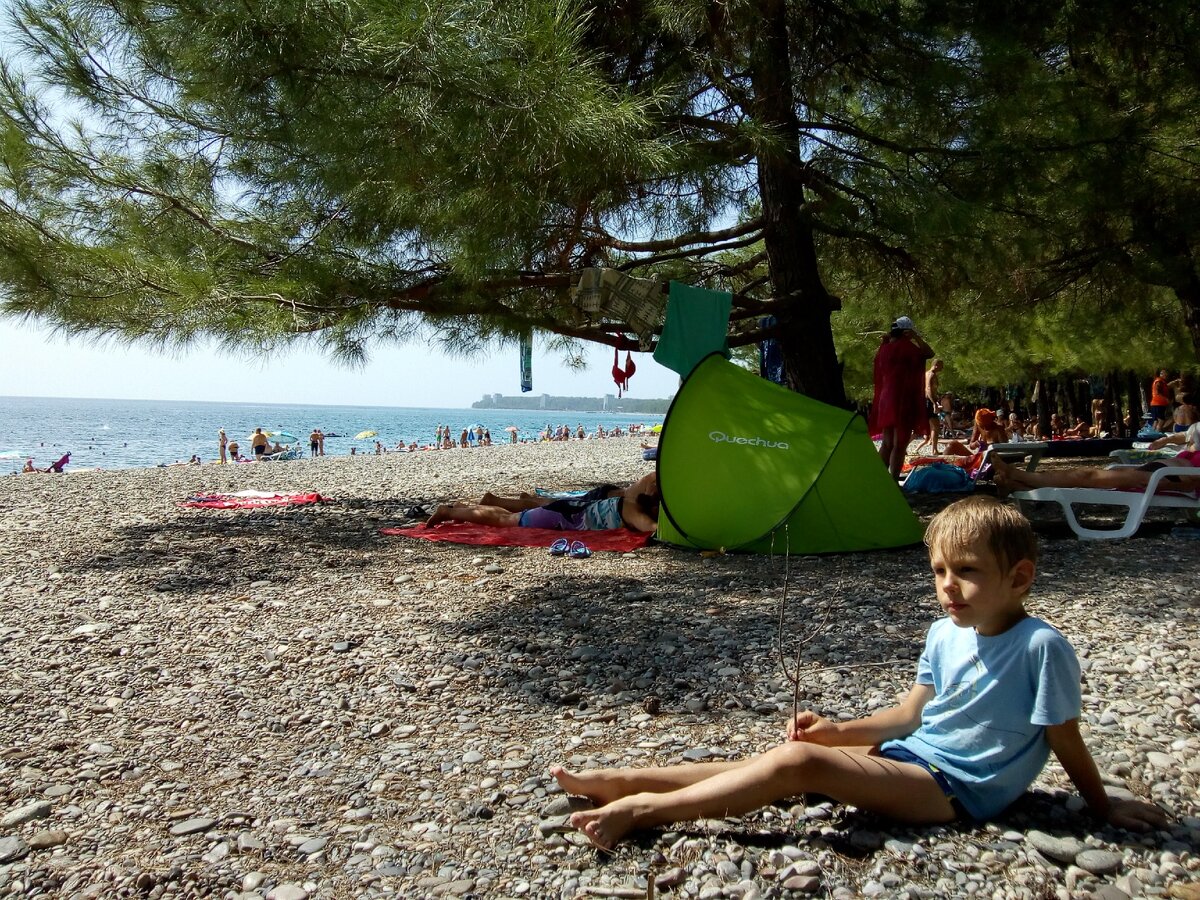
x: 1010, y: 478
x: 635, y: 508
x: 524, y: 500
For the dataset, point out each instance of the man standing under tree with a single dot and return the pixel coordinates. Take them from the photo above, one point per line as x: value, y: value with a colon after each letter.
x: 932, y: 408
x: 1160, y: 402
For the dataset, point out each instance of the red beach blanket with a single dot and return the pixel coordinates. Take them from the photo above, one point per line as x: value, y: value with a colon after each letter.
x: 619, y: 540
x: 251, y: 500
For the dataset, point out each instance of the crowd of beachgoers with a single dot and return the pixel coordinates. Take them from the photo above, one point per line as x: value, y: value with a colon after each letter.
x: 478, y: 436
x: 276, y: 446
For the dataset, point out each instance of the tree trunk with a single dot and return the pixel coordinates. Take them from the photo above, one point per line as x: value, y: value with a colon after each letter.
x: 1079, y: 401
x: 805, y: 335
x: 1046, y: 388
x: 1189, y: 298
x: 1134, y: 392
x: 1115, y: 419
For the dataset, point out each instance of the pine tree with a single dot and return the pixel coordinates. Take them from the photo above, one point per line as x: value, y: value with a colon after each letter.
x: 381, y: 169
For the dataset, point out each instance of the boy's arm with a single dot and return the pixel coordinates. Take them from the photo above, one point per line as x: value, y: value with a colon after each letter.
x: 894, y: 722
x: 1067, y: 744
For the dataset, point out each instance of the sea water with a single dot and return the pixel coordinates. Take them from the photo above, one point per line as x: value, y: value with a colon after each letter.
x: 120, y: 434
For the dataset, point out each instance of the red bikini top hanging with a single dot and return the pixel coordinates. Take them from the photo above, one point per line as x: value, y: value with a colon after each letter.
x: 621, y: 376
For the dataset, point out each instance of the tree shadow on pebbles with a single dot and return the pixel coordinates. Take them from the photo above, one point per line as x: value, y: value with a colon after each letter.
x: 182, y: 552
x: 589, y: 641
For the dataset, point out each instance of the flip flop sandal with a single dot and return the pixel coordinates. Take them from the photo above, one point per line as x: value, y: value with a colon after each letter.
x: 579, y: 550
x: 559, y: 547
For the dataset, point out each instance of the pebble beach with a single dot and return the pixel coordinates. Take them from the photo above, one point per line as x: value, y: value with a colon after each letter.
x: 282, y: 703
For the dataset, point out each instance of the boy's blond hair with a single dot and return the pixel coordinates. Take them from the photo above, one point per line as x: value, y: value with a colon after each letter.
x: 965, y: 522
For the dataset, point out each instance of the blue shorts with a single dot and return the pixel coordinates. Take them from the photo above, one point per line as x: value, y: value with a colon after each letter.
x: 904, y: 755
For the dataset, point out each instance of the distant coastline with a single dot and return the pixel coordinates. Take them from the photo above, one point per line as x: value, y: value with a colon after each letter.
x: 609, y: 403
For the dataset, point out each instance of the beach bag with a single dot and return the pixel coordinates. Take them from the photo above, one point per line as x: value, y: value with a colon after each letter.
x: 938, y: 478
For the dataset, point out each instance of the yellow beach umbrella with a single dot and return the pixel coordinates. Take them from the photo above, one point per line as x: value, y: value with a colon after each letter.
x: 363, y: 435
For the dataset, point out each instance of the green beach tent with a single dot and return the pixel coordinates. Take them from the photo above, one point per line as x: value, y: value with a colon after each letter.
x: 740, y: 458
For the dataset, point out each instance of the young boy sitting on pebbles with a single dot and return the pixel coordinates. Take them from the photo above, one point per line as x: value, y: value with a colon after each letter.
x: 996, y: 691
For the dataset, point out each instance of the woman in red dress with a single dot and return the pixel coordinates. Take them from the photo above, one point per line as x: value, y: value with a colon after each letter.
x: 898, y: 410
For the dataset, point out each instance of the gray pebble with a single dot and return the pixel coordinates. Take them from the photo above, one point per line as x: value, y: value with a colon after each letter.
x: 1099, y: 862
x: 555, y: 825
x: 253, y: 880
x: 39, y: 809
x: 192, y: 826
x: 12, y: 848
x: 806, y: 884
x: 248, y: 843
x: 316, y: 845
x: 1060, y: 849
x: 728, y: 870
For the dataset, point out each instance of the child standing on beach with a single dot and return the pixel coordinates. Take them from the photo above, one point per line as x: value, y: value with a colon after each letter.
x: 996, y: 691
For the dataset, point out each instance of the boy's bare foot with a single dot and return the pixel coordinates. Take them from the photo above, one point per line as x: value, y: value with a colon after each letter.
x: 441, y: 515
x: 595, y: 784
x: 606, y: 825
x: 488, y: 499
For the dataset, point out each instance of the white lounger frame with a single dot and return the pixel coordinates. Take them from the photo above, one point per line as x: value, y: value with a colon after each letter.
x: 1136, y: 504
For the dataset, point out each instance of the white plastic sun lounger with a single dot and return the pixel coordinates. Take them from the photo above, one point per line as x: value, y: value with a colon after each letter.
x: 1031, y: 450
x: 1135, y: 503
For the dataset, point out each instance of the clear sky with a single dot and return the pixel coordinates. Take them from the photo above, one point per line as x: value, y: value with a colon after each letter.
x: 35, y: 363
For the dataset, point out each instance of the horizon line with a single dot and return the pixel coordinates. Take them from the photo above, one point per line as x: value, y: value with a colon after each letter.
x: 341, y: 405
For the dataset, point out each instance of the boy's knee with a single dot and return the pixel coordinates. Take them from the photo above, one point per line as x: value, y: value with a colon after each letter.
x: 794, y: 756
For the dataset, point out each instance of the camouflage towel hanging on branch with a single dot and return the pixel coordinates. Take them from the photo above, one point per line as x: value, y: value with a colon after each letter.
x: 637, y: 302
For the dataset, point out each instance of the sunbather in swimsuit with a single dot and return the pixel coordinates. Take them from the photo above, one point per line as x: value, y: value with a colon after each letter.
x: 1010, y: 478
x: 635, y: 508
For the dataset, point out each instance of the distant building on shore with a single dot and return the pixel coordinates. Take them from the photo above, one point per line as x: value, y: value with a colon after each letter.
x: 606, y: 404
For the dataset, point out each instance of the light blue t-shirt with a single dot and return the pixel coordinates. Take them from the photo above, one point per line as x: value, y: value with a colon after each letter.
x: 993, y: 697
